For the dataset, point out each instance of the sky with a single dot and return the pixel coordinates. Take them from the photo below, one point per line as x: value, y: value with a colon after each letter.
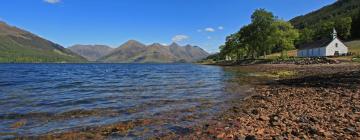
x: 204, y: 23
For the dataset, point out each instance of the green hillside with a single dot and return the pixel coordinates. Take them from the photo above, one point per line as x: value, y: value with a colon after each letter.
x: 19, y: 46
x: 340, y: 9
x: 343, y: 15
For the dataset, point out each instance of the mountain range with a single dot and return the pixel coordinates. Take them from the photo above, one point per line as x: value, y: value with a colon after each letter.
x: 20, y: 46
x: 17, y: 45
x: 135, y: 52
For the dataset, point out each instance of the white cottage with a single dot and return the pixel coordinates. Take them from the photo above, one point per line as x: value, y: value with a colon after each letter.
x: 323, y: 47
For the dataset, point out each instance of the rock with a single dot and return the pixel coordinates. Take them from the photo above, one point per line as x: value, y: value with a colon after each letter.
x: 350, y: 130
x: 230, y: 136
x: 264, y: 118
x: 250, y: 138
x: 327, y: 134
x: 260, y: 131
x: 220, y: 136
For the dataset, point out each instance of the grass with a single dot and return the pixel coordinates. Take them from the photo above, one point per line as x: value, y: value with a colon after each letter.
x: 354, y: 46
x: 292, y: 53
x: 281, y: 74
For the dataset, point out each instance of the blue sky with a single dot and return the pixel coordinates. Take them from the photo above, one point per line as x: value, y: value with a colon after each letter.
x: 205, y: 23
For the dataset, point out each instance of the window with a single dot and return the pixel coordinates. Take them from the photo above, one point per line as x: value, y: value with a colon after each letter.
x: 336, y: 45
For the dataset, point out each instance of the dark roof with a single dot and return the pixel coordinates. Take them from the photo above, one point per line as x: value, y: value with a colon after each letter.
x: 316, y: 44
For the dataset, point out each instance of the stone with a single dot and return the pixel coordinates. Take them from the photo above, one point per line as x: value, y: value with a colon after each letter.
x: 250, y: 138
x: 264, y: 118
x: 220, y: 136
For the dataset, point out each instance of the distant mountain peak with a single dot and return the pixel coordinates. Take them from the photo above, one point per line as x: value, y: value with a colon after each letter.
x: 91, y: 52
x: 133, y: 43
x: 156, y: 44
x: 174, y: 44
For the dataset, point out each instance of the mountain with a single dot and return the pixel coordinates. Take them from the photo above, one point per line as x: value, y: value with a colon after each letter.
x: 91, y: 52
x: 17, y: 45
x: 339, y: 9
x: 125, y: 53
x: 136, y: 52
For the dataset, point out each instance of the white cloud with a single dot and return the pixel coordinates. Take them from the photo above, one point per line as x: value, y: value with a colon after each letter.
x: 210, y: 29
x: 52, y: 1
x: 221, y: 28
x: 179, y: 38
x: 209, y: 37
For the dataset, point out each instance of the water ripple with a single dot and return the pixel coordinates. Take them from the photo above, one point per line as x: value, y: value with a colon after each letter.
x: 54, y: 97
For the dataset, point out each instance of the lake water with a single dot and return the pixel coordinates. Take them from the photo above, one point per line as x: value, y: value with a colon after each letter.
x: 38, y: 99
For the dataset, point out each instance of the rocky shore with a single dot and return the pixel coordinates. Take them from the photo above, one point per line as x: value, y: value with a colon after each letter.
x: 296, y: 61
x: 322, y: 102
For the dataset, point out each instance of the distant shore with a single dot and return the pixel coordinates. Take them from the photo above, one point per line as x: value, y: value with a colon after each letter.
x: 320, y: 102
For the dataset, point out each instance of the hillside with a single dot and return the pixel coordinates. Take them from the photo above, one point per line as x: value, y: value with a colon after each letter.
x: 136, y: 52
x: 91, y: 52
x: 18, y: 46
x: 339, y: 9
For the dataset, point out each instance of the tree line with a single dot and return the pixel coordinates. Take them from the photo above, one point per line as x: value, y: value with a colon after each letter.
x: 268, y: 34
x: 265, y: 34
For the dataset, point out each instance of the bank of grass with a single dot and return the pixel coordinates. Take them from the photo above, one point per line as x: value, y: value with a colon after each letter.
x: 354, y: 48
x: 292, y: 53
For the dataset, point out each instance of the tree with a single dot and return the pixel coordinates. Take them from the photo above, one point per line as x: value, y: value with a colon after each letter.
x: 262, y: 27
x: 324, y: 29
x: 284, y: 36
x: 355, y: 27
x: 306, y: 36
x: 343, y: 27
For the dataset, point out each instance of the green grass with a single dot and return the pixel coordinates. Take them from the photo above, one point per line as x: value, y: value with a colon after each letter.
x: 354, y: 46
x: 292, y: 53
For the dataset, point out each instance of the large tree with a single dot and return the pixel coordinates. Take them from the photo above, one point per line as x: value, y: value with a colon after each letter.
x: 261, y: 29
x: 284, y: 36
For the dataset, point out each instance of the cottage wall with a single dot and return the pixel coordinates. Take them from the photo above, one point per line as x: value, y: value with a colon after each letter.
x: 312, y: 52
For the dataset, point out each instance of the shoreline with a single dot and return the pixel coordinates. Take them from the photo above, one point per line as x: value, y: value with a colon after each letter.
x: 321, y: 102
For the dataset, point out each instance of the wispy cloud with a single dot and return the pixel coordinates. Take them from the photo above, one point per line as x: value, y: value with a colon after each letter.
x: 52, y: 1
x: 179, y: 38
x: 209, y: 29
